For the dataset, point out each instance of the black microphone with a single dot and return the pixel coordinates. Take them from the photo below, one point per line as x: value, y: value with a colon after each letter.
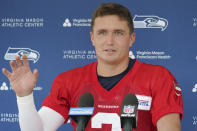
x: 82, y: 114
x: 128, y: 114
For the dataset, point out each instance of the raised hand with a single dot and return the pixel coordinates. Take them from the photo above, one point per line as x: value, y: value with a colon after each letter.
x: 21, y: 78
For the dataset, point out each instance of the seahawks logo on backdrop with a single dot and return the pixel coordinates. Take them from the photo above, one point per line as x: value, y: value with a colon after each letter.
x: 32, y: 55
x: 150, y: 21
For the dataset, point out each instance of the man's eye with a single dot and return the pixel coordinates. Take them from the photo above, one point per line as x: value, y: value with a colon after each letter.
x: 102, y: 33
x: 118, y: 33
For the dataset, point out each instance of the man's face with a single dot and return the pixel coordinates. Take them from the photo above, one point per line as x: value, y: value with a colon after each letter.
x: 111, y: 38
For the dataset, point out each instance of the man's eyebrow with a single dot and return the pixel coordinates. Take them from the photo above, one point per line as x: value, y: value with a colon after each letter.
x: 101, y: 30
x: 119, y: 30
x: 116, y: 30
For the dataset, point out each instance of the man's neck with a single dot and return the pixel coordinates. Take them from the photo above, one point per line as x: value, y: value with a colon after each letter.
x: 111, y: 69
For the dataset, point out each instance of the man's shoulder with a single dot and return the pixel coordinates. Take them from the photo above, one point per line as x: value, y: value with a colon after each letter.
x: 79, y: 71
x: 151, y: 68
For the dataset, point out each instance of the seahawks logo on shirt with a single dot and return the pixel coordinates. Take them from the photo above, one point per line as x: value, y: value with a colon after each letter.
x: 177, y: 89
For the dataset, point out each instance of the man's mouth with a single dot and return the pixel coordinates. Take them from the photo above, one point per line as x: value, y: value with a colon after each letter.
x: 110, y: 50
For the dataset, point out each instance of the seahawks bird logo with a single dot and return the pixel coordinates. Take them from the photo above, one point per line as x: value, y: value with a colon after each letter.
x: 11, y: 54
x: 149, y: 21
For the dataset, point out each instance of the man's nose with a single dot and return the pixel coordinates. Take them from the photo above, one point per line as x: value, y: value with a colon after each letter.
x: 110, y: 39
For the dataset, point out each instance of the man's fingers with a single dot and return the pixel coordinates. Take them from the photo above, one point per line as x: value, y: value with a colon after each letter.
x: 35, y: 73
x: 13, y: 65
x: 18, y: 61
x: 6, y: 73
x: 25, y: 61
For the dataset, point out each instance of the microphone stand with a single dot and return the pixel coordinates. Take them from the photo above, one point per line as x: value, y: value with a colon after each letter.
x: 128, y: 124
x: 81, y: 123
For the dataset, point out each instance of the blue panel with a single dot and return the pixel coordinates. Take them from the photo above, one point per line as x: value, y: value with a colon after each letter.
x: 55, y: 34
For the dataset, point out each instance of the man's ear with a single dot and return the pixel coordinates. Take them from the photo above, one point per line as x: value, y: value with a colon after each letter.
x: 92, y: 38
x: 132, y: 39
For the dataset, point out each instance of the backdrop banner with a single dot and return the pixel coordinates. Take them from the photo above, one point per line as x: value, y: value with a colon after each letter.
x: 55, y: 35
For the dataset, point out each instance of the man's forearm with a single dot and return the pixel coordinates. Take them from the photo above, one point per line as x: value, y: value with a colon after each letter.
x: 29, y: 118
x: 46, y: 119
x: 169, y: 122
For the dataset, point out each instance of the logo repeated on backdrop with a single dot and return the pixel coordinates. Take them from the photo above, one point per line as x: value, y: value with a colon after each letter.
x: 194, y: 89
x: 22, y: 22
x: 32, y: 55
x: 195, y: 22
x: 11, y: 54
x: 131, y: 55
x: 162, y: 55
x: 140, y: 21
x: 76, y: 54
x: 77, y: 22
x: 150, y: 21
x: 4, y: 87
x: 194, y: 120
x: 67, y: 23
x: 9, y: 117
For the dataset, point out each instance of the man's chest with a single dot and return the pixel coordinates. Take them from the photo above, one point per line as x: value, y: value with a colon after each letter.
x: 107, y: 106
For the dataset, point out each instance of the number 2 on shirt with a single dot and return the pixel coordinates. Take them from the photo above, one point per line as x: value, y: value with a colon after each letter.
x: 106, y: 118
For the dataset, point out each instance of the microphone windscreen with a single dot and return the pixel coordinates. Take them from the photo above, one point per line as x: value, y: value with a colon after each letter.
x: 129, y: 112
x: 86, y: 100
x: 130, y: 99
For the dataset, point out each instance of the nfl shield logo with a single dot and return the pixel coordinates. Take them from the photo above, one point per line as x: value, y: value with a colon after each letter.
x: 128, y: 109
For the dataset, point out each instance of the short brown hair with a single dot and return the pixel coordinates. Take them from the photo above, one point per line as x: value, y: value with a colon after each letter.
x: 113, y: 9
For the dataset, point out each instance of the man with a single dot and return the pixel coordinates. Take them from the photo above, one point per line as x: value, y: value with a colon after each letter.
x: 109, y: 79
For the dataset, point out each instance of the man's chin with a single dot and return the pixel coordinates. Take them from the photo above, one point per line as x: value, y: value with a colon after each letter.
x: 109, y: 61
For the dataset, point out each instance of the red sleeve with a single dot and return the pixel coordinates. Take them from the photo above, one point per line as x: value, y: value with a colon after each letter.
x: 58, y: 98
x: 166, y: 95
